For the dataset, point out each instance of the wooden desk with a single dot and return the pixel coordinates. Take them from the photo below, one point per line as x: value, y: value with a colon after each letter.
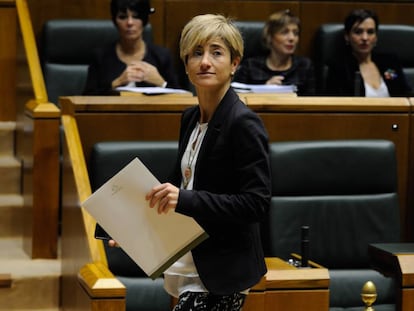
x: 396, y: 260
x: 285, y: 287
x: 5, y: 280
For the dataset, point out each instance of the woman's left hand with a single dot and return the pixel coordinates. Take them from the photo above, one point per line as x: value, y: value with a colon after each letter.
x: 164, y: 196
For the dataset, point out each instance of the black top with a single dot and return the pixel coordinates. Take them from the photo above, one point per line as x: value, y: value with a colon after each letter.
x: 255, y: 71
x: 343, y: 77
x: 231, y: 194
x: 106, y: 66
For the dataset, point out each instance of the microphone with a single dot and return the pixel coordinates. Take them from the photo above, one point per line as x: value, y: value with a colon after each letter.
x: 357, y: 83
x: 304, y: 246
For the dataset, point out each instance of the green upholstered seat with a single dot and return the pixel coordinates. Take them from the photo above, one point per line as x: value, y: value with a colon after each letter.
x: 66, y: 50
x: 346, y: 191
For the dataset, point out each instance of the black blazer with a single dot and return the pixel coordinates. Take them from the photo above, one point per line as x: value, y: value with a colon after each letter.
x: 342, y: 80
x: 233, y: 190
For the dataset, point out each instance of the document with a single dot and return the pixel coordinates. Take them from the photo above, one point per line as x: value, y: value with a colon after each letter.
x: 262, y: 88
x: 151, y: 90
x: 154, y: 241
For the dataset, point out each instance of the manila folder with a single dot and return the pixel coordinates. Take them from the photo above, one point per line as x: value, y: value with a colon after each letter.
x: 154, y: 241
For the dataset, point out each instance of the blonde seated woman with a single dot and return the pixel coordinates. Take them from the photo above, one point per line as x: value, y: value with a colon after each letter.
x: 281, y: 65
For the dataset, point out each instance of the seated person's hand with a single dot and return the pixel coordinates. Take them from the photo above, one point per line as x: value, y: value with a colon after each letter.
x: 276, y: 80
x: 150, y: 74
x: 139, y: 72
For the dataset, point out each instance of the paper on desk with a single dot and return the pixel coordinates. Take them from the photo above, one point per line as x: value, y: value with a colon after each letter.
x: 151, y: 90
x: 153, y: 241
x: 262, y: 88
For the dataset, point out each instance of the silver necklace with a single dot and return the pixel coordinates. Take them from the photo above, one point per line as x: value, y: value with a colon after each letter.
x: 195, y: 145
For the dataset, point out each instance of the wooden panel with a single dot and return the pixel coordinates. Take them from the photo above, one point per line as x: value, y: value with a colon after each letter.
x: 108, y: 305
x: 255, y: 301
x: 406, y: 263
x: 39, y: 148
x: 407, y: 298
x: 297, y: 300
x: 8, y: 44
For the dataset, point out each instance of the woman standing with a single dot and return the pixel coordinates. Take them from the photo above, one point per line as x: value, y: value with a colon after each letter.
x: 221, y: 178
x: 130, y: 60
x: 280, y: 65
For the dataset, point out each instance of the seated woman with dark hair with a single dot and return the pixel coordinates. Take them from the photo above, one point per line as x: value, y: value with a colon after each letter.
x: 130, y: 60
x: 280, y: 66
x: 361, y: 71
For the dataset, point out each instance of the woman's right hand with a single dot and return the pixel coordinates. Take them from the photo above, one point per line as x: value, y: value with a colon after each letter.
x: 276, y: 80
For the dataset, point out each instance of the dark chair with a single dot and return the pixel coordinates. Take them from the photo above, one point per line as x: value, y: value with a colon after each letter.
x: 346, y: 192
x: 252, y: 36
x: 107, y: 158
x: 329, y: 42
x: 66, y: 50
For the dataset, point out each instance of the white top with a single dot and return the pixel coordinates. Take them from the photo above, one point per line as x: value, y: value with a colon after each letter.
x: 182, y: 276
x: 382, y: 91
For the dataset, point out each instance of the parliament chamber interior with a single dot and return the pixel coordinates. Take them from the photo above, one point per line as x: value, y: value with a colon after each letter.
x: 344, y: 166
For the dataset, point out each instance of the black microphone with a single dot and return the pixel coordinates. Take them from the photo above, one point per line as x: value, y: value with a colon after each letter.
x: 304, y: 246
x: 357, y: 83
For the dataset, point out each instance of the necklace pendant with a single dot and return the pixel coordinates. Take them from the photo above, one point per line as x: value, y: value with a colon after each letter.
x: 187, y: 176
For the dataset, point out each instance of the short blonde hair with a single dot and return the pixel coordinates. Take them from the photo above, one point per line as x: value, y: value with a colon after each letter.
x: 203, y: 28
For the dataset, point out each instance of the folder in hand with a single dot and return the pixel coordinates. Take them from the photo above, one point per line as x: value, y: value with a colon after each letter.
x: 154, y: 241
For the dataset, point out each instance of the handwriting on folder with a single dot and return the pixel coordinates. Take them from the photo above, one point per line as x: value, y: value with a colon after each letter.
x: 152, y: 240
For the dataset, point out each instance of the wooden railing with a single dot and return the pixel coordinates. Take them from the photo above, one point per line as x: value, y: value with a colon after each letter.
x: 32, y: 54
x: 87, y: 283
x: 37, y: 146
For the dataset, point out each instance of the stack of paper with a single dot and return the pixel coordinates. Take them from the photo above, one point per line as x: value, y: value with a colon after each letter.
x: 262, y: 88
x: 151, y: 90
